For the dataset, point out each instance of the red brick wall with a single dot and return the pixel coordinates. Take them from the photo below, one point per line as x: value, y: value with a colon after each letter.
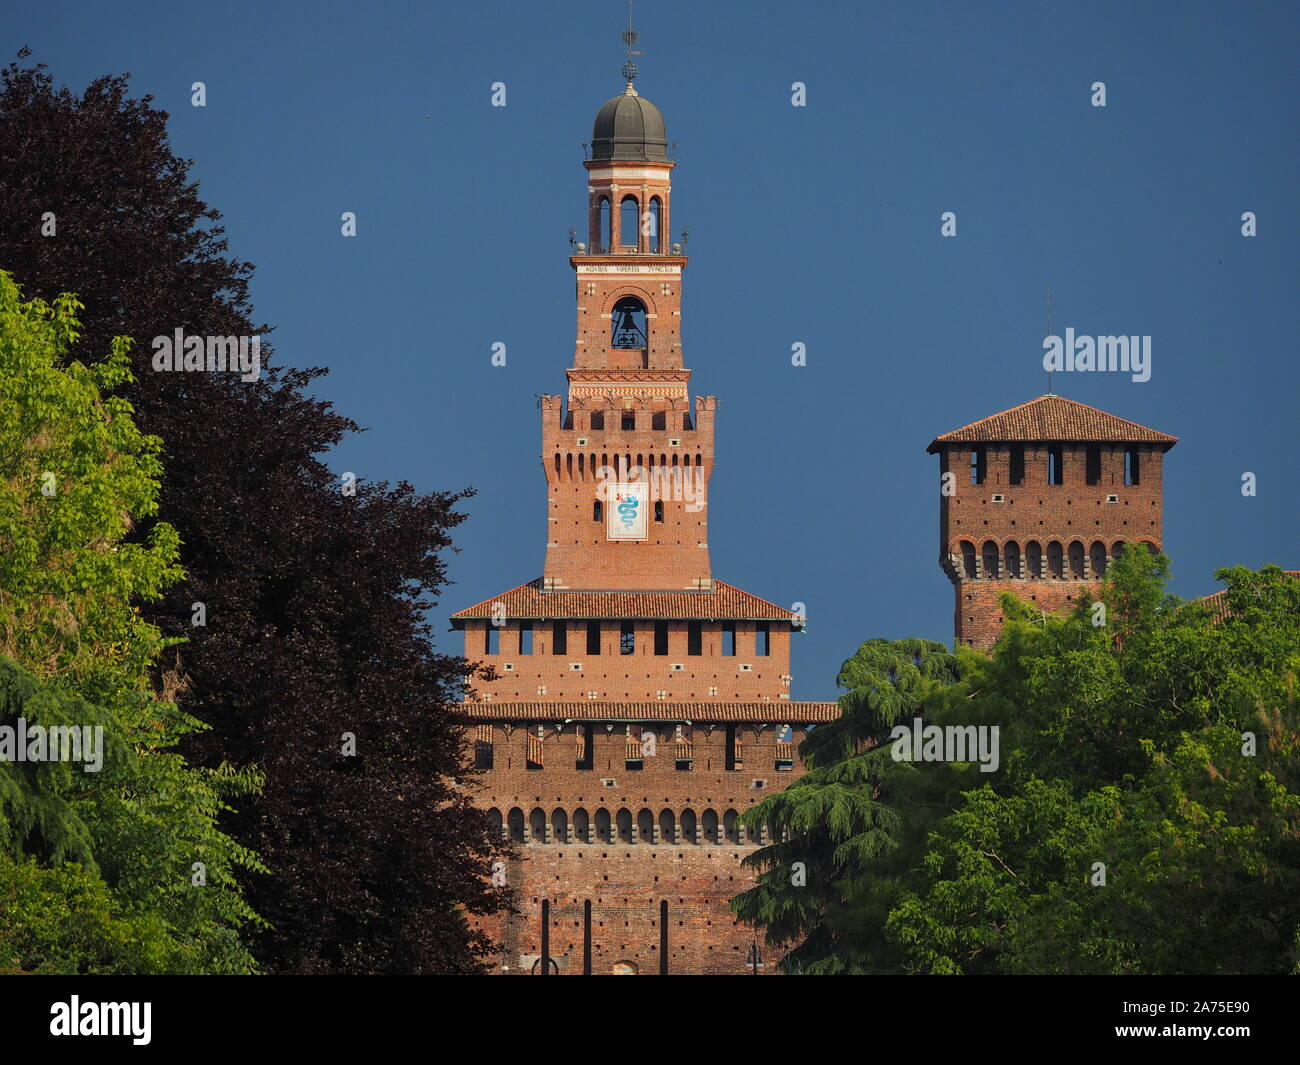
x: 978, y: 621
x: 636, y: 677
x: 1036, y: 511
x: 626, y: 880
x: 625, y: 885
x: 675, y: 555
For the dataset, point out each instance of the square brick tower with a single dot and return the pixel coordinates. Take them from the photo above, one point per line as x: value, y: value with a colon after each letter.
x: 640, y: 704
x: 1037, y: 500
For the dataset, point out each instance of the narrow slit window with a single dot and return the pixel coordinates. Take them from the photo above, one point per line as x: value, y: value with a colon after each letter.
x: 627, y: 638
x: 525, y: 637
x: 1055, y: 472
x: 695, y: 638
x: 559, y: 638
x: 763, y: 639
x: 593, y: 637
x: 1017, y: 463
x: 492, y: 640
x: 1093, y: 464
x: 729, y: 639
x: 661, y: 638
x: 1131, y: 468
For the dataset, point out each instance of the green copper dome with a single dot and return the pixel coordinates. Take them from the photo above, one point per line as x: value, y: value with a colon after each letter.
x: 630, y: 127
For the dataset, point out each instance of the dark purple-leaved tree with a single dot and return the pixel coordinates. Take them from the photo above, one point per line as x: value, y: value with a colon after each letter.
x: 315, y: 599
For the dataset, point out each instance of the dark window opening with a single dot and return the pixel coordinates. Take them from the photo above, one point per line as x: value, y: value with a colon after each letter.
x: 1131, y: 467
x: 1013, y: 560
x: 593, y: 637
x: 1092, y: 464
x: 1055, y: 464
x: 586, y: 747
x: 762, y: 639
x: 598, y: 420
x: 653, y: 221
x: 629, y: 226
x: 990, y: 555
x: 694, y: 638
x: 604, y: 226
x: 734, y: 760
x: 596, y: 511
x: 559, y: 638
x: 1076, y: 560
x: 729, y: 639
x: 627, y: 638
x: 482, y: 755
x: 525, y: 637
x: 1017, y: 463
x: 1034, y: 559
x: 1055, y: 560
x: 978, y: 465
x: 1097, y: 557
x: 659, y: 420
x: 659, y: 510
x: 661, y: 637
x: 628, y: 422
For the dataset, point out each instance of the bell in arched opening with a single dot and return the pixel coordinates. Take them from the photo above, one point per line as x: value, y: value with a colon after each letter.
x: 629, y: 324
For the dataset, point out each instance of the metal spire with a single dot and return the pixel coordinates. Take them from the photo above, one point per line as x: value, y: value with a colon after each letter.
x: 629, y: 37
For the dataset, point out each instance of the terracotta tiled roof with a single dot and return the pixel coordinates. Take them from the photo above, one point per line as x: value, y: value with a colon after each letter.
x: 778, y: 712
x: 1218, y: 602
x: 1053, y: 418
x: 725, y: 602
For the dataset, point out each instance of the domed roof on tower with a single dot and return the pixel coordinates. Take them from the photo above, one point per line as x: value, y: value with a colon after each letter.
x: 630, y: 127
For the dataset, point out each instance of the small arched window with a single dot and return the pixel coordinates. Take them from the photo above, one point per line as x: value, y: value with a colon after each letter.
x: 969, y: 568
x: 710, y: 824
x: 1012, y: 555
x: 1076, y: 560
x: 655, y: 210
x: 604, y: 226
x: 1034, y: 559
x: 596, y: 511
x: 991, y: 559
x: 1055, y: 560
x: 1097, y: 556
x: 659, y: 510
x: 629, y: 223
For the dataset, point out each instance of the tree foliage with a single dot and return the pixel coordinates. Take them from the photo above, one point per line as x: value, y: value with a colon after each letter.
x: 96, y: 868
x: 315, y: 601
x: 1145, y: 817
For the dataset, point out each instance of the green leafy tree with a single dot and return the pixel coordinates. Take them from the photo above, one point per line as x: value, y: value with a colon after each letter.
x: 97, y: 869
x: 1145, y: 816
x: 1148, y: 819
x: 839, y: 820
x: 317, y: 603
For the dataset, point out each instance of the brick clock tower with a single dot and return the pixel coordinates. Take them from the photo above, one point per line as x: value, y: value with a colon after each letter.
x: 639, y: 704
x: 1041, y: 497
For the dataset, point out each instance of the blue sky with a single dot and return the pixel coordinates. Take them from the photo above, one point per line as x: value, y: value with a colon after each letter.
x: 817, y: 225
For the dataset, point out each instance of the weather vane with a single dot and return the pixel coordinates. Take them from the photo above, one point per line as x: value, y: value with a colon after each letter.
x: 629, y: 37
